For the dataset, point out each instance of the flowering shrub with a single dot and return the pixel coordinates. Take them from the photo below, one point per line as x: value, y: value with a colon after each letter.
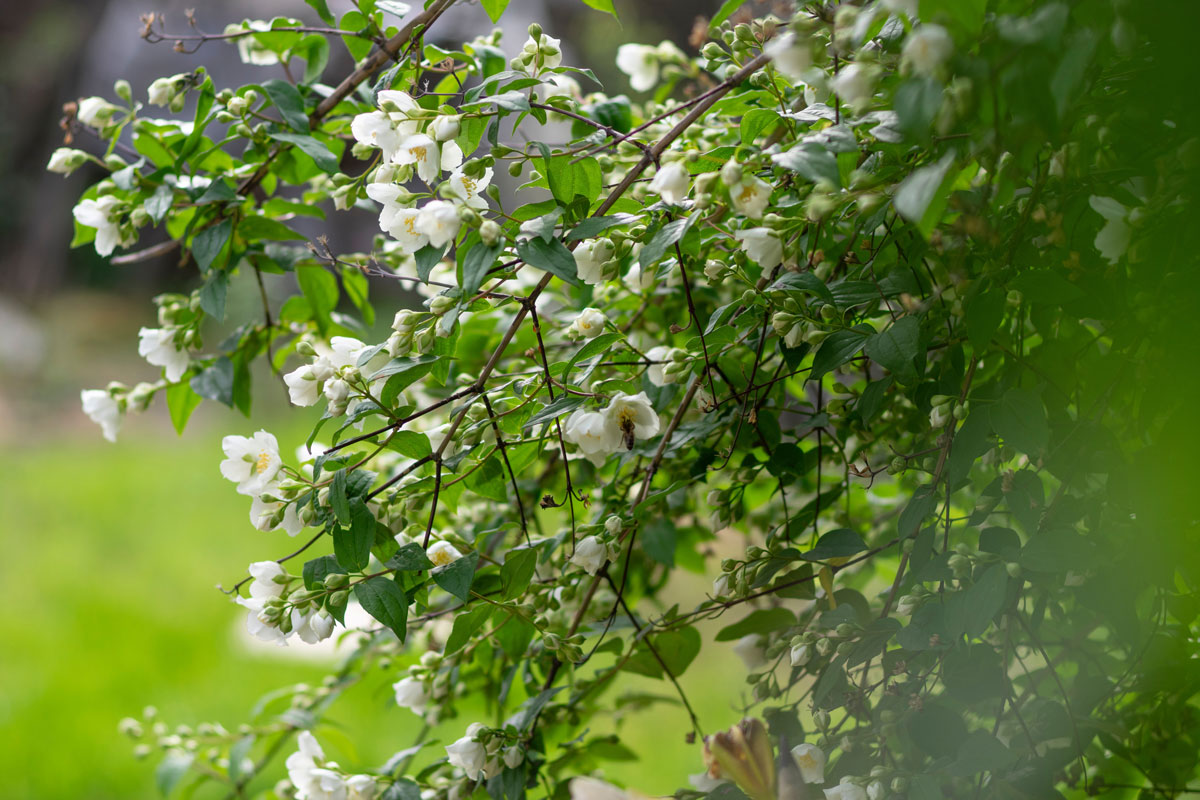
x: 862, y: 313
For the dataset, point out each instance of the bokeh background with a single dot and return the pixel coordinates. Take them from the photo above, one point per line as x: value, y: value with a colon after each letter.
x: 112, y: 552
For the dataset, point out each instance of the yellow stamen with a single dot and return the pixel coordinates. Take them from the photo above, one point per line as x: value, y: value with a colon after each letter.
x: 264, y: 461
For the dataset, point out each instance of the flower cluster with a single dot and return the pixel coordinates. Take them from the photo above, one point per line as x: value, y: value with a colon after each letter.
x: 315, y: 778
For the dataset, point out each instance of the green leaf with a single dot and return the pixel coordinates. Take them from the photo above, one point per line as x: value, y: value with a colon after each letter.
x: 386, y: 602
x: 465, y: 626
x: 896, y: 348
x: 601, y: 5
x: 981, y: 752
x: 352, y: 543
x: 405, y: 365
x: 316, y: 570
x: 517, y: 571
x: 172, y: 768
x: 181, y: 402
x: 552, y: 257
x: 494, y: 8
x: 658, y: 541
x: 838, y: 348
x: 212, y: 295
x: 207, y: 244
x: 668, y: 235
x: 840, y: 543
x: 812, y: 161
x: 476, y: 264
x: 322, y: 10
x: 1020, y: 419
x: 287, y: 99
x: 917, y: 102
x: 216, y: 382
x: 919, y: 506
x: 320, y: 289
x: 514, y: 635
x: 758, y: 121
x: 763, y: 620
x: 593, y: 226
x: 338, y: 500
x: 984, y: 313
x: 413, y: 444
x: 427, y: 258
x: 410, y: 558
x: 488, y: 480
x: 873, y: 640
x: 937, y: 730
x: 158, y: 204
x: 552, y: 410
x: 592, y: 348
x: 456, y: 576
x: 984, y: 600
x: 315, y: 150
x: 725, y: 12
x: 676, y: 648
x: 922, y: 196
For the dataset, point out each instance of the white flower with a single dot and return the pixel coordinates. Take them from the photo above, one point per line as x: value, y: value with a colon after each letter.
x: 875, y: 790
x: 442, y: 553
x: 800, y: 656
x: 846, y: 791
x: 95, y: 111
x: 559, y: 86
x: 313, y: 626
x: 337, y: 392
x: 324, y: 784
x: 411, y: 694
x: 66, y: 160
x: 104, y: 410
x: 251, y: 50
x: 98, y: 214
x: 470, y: 189
x: 161, y: 92
x: 906, y: 7
x: 252, y: 463
x: 549, y: 60
x: 595, y: 789
x: 360, y: 787
x: 751, y: 652
x: 157, y: 346
x: 637, y: 279
x: 513, y: 756
x: 855, y: 84
x: 1113, y: 239
x: 590, y: 258
x: 468, y: 755
x: 423, y: 151
x: 633, y: 416
x: 762, y: 246
x: 301, y: 764
x: 640, y: 63
x: 343, y: 352
x: 303, y: 386
x: 750, y: 196
x: 722, y: 586
x: 590, y: 323
x: 672, y: 183
x: 262, y: 589
x: 399, y: 106
x: 375, y: 129
x: 703, y: 782
x: 592, y: 434
x: 262, y: 514
x: 397, y: 220
x: 267, y: 576
x: 927, y: 49
x: 590, y: 555
x: 438, y: 219
x: 791, y: 56
x: 445, y: 127
x: 656, y: 372
x: 811, y: 761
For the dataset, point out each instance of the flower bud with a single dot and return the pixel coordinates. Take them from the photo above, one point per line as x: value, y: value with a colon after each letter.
x: 489, y: 232
x: 731, y: 173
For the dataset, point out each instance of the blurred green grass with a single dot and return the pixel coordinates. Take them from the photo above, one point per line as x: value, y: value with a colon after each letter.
x: 112, y: 555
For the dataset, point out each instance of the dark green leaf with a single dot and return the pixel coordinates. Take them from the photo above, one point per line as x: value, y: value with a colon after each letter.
x: 516, y: 572
x: 315, y: 150
x: 410, y: 558
x: 287, y: 99
x: 212, y: 295
x: 1020, y: 419
x: 981, y: 752
x: 352, y: 543
x: 466, y: 625
x: 207, y: 244
x: 840, y: 543
x: 427, y: 258
x: 658, y: 540
x: 386, y: 602
x: 763, y: 620
x: 552, y: 257
x: 216, y: 382
x: 837, y: 349
x: 592, y: 348
x: 456, y: 577
x: 896, y: 347
x: 476, y: 264
x: 158, y: 204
